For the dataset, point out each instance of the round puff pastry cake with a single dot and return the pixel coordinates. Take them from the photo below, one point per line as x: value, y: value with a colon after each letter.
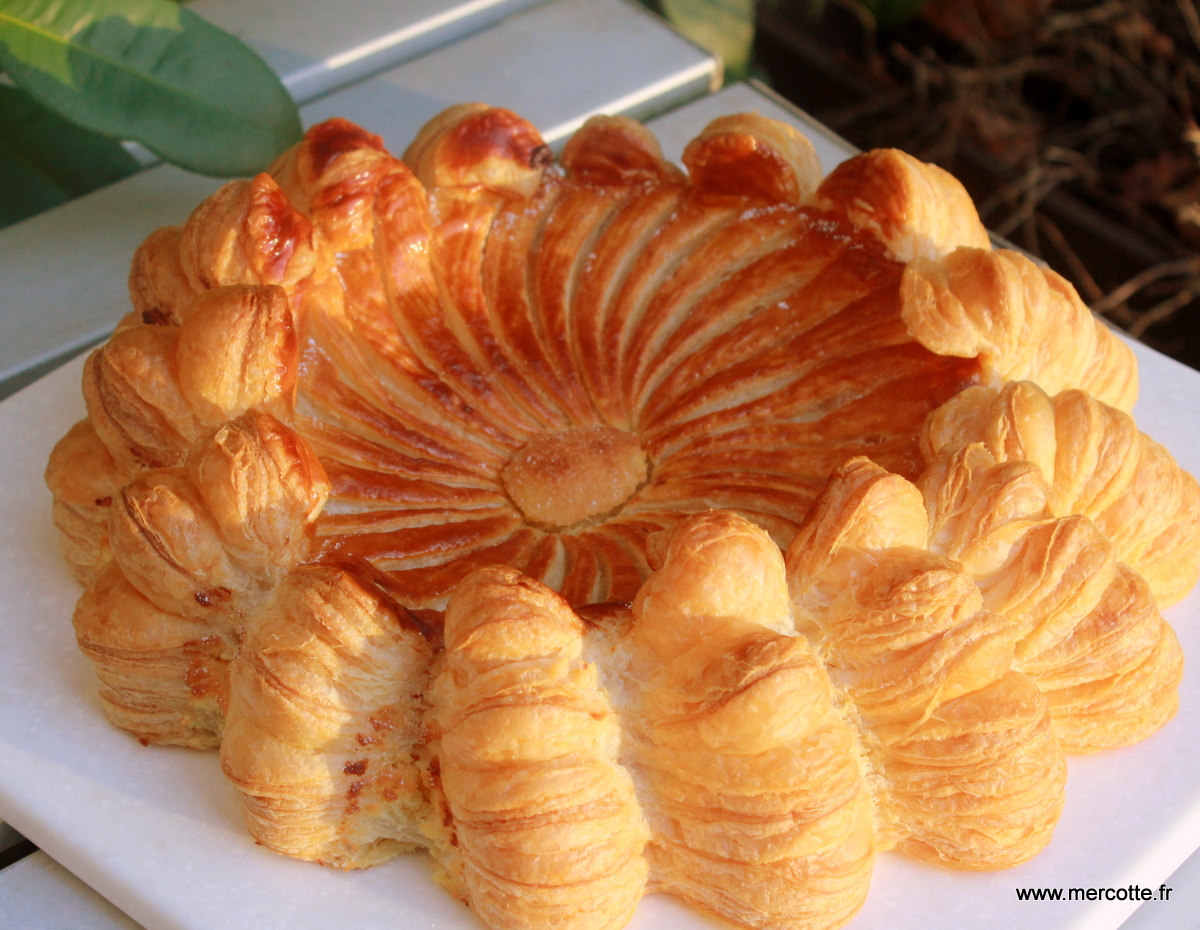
x: 368, y: 416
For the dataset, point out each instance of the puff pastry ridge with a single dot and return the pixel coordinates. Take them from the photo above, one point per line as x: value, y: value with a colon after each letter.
x: 606, y: 527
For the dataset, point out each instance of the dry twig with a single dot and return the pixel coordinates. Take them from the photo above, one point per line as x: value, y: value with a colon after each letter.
x: 1164, y: 311
x: 1138, y: 281
x: 1082, y: 98
x: 1079, y: 270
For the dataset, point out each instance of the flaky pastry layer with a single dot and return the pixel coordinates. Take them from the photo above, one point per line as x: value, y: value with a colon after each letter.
x: 353, y: 386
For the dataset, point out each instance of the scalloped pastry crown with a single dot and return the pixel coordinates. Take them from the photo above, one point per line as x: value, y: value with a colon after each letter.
x: 368, y: 415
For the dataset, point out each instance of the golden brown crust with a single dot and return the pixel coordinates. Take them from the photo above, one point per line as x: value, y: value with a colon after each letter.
x: 1021, y: 321
x: 152, y: 389
x: 1095, y: 463
x: 131, y: 388
x: 169, y: 547
x: 236, y: 351
x: 455, y: 325
x: 246, y: 233
x: 751, y: 334
x: 193, y: 538
x: 1115, y: 679
x: 749, y: 156
x: 474, y: 145
x: 196, y: 548
x: 535, y: 823
x: 263, y: 487
x: 422, y: 365
x: 614, y: 150
x: 759, y: 810
x: 163, y: 677
x: 158, y: 286
x: 918, y: 209
x: 980, y: 783
x: 752, y: 770
x: 964, y: 744
x: 325, y: 713
x: 1089, y: 632
x: 84, y: 479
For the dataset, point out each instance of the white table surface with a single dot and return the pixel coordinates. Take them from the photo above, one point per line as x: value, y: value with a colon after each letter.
x: 555, y: 65
x: 63, y: 273
x: 316, y: 46
x: 39, y: 894
x: 1132, y: 816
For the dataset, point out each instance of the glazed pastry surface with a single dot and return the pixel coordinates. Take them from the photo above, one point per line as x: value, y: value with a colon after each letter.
x: 1095, y: 463
x: 502, y: 359
x: 452, y: 335
x: 379, y: 435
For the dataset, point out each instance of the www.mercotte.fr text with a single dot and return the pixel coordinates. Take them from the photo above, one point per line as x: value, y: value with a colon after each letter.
x: 1131, y: 893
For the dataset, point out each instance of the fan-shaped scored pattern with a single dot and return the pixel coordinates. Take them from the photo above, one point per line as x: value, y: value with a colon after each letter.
x: 506, y: 324
x: 483, y: 357
x: 503, y: 359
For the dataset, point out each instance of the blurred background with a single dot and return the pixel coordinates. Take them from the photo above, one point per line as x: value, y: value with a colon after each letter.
x: 1072, y: 122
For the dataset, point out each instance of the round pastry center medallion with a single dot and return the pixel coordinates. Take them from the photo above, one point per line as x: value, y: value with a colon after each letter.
x: 562, y: 478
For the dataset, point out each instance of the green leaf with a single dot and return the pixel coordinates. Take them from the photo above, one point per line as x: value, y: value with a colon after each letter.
x: 45, y: 160
x: 48, y: 24
x: 73, y: 158
x: 153, y: 72
x: 24, y: 190
x: 723, y: 27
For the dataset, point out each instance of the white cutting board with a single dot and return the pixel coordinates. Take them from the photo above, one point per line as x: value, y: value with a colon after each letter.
x: 157, y: 831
